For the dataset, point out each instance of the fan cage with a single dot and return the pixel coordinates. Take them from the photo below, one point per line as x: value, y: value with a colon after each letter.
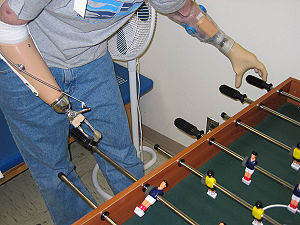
x: 132, y: 39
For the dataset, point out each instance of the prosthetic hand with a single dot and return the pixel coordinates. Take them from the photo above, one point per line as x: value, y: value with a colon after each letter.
x: 243, y: 60
x: 62, y: 105
x: 197, y: 23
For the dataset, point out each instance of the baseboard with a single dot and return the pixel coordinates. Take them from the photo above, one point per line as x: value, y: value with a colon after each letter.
x: 154, y: 137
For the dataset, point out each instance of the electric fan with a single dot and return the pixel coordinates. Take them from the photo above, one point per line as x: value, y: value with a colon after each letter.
x: 127, y: 44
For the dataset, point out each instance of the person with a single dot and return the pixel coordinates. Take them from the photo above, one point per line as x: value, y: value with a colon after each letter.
x: 151, y: 198
x: 210, y: 182
x: 296, y: 157
x: 295, y: 199
x: 63, y: 45
x: 250, y: 167
x: 258, y: 213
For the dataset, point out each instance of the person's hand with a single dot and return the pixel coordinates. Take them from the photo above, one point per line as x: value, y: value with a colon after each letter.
x: 242, y: 60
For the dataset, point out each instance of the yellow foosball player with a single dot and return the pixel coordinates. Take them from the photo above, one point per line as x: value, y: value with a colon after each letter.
x: 258, y: 213
x: 210, y: 182
x: 296, y: 157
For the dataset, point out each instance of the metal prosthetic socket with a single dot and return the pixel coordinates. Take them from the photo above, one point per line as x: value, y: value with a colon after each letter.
x: 197, y: 22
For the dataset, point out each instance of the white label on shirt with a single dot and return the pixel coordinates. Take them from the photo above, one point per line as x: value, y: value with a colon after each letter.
x: 80, y: 6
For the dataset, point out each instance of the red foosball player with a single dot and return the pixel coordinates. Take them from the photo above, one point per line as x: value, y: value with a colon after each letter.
x: 296, y: 157
x: 258, y: 213
x: 151, y: 198
x: 295, y: 199
x: 250, y: 167
x: 210, y: 182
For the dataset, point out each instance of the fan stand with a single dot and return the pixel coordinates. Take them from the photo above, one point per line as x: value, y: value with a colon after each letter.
x: 134, y: 116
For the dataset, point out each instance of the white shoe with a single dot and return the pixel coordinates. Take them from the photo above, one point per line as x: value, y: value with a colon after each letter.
x: 212, y: 194
x: 139, y: 212
x: 295, y: 166
x: 246, y: 182
x: 255, y: 222
x: 291, y: 209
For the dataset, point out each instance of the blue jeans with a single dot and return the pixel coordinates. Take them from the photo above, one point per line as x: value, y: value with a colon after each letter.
x: 42, y: 135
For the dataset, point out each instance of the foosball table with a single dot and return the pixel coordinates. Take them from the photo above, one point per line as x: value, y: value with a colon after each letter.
x: 186, y: 190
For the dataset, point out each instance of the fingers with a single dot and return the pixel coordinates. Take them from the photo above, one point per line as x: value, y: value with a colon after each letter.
x: 262, y: 72
x: 259, y: 68
x: 238, y: 80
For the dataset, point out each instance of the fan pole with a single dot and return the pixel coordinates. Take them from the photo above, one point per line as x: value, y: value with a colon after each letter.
x: 134, y: 105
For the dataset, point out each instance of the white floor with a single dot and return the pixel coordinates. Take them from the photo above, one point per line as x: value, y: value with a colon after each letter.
x: 20, y: 200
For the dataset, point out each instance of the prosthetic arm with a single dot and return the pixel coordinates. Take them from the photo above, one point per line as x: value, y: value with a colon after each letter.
x: 18, y: 50
x: 198, y: 23
x: 16, y: 46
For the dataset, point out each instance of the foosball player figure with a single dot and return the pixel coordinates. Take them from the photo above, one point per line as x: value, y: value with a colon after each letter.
x: 295, y: 199
x: 210, y: 182
x: 222, y: 223
x: 258, y: 213
x: 296, y: 157
x: 249, y: 163
x: 151, y: 198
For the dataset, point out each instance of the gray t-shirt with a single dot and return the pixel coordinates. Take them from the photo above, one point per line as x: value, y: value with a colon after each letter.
x: 67, y: 40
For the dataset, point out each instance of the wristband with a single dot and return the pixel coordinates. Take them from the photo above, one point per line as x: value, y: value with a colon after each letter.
x: 61, y: 105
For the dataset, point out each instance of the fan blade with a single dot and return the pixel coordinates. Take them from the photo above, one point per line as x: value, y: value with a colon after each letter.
x: 121, y: 42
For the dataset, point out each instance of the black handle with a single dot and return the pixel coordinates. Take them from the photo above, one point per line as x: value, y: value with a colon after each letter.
x: 188, y: 128
x: 225, y: 116
x: 258, y: 82
x: 230, y: 92
x: 84, y: 141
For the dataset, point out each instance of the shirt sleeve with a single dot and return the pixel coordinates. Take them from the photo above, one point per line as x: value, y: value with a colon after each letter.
x: 167, y: 6
x: 28, y: 9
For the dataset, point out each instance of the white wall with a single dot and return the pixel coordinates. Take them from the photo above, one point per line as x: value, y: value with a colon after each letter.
x: 187, y: 74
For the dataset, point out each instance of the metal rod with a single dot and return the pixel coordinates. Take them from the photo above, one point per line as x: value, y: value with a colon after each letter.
x: 227, y: 150
x: 177, y: 211
x: 199, y: 174
x: 280, y: 115
x: 289, y: 95
x: 260, y: 169
x: 279, y: 180
x: 63, y: 177
x: 253, y: 130
x: 111, y: 161
x: 105, y: 216
x: 244, y: 203
x: 159, y: 148
x: 222, y: 189
x: 234, y: 197
x: 133, y: 178
x: 248, y: 100
x: 275, y: 113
